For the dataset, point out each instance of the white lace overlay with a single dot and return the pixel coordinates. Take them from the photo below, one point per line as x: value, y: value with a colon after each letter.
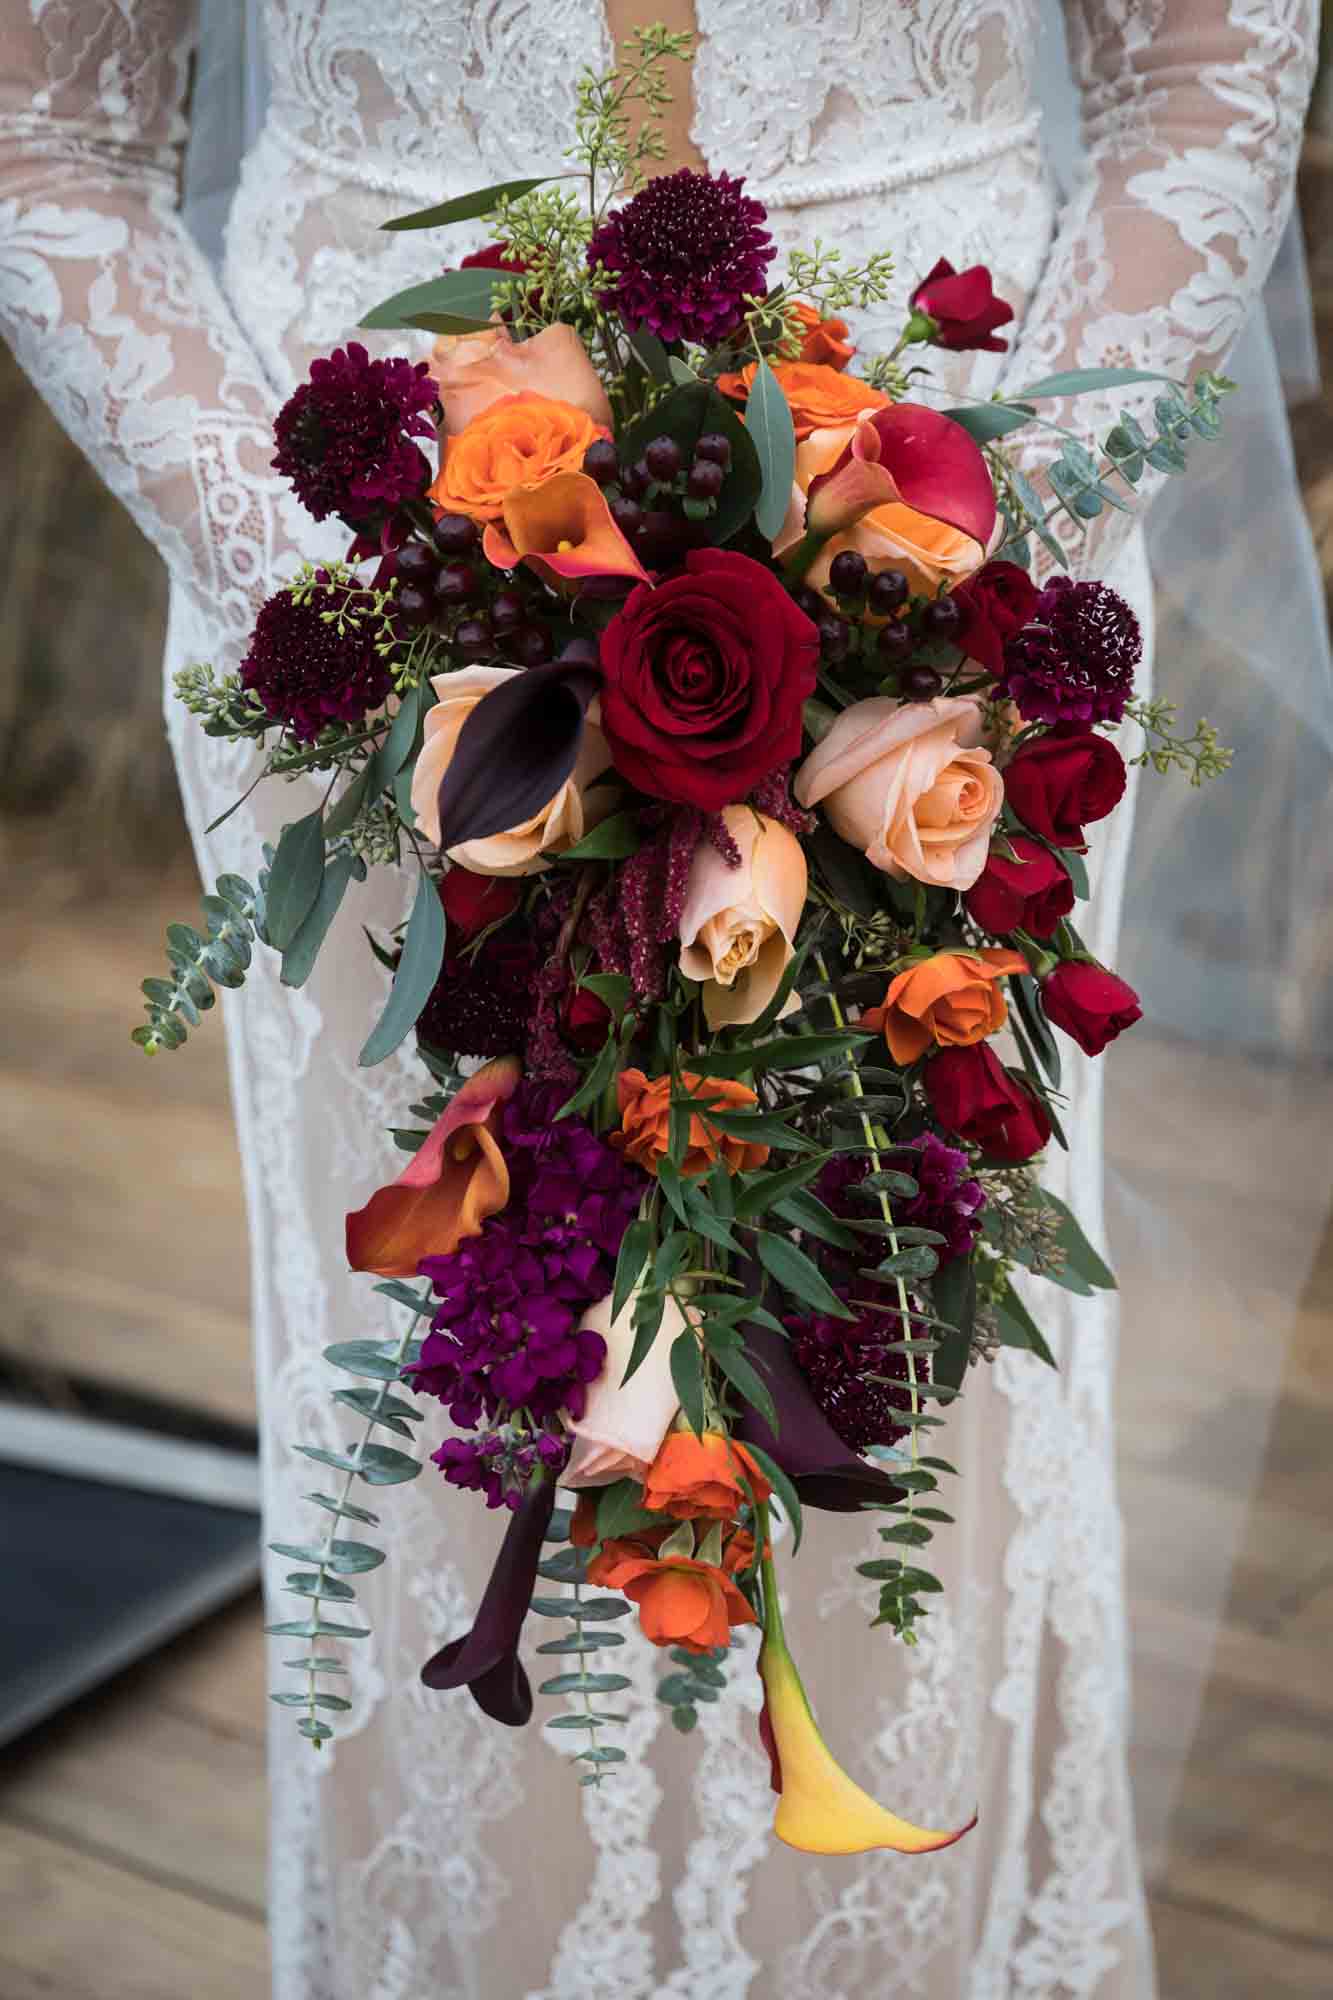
x: 432, y: 1852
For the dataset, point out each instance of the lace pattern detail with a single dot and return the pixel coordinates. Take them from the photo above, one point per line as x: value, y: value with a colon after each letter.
x: 405, y: 1862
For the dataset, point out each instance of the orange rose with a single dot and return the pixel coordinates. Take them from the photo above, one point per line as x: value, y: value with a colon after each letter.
x: 645, y: 1120
x: 951, y: 999
x: 516, y: 441
x: 682, y: 1602
x: 706, y: 1478
x: 931, y: 554
x: 821, y: 397
x: 823, y: 340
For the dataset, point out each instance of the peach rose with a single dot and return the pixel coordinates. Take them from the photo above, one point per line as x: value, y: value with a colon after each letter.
x: 909, y: 784
x: 645, y: 1119
x: 819, y: 395
x: 517, y: 440
x: 738, y: 925
x: 561, y: 822
x: 708, y: 1478
x: 623, y: 1424
x: 931, y: 554
x: 952, y: 998
x: 474, y: 370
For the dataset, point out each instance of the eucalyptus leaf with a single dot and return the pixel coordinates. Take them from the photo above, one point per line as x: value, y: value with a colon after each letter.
x: 294, y: 878
x: 1078, y: 381
x: 768, y: 420
x: 414, y: 980
x: 612, y: 839
x: 985, y: 422
x: 467, y: 207
x: 455, y: 302
x: 299, y: 958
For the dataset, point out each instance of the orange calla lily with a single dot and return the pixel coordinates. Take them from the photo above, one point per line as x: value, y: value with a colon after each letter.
x: 821, y: 1810
x: 564, y: 530
x: 447, y: 1189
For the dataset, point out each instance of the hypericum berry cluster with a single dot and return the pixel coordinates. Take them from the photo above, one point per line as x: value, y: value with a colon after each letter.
x: 655, y: 500
x: 486, y: 614
x: 876, y: 624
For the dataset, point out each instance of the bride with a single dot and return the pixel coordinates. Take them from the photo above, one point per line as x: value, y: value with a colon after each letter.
x: 431, y: 1852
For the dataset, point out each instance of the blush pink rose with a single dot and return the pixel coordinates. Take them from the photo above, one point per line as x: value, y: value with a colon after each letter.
x: 473, y: 370
x: 623, y: 1423
x: 910, y: 785
x: 738, y: 925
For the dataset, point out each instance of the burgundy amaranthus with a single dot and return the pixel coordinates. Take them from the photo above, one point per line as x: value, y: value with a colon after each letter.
x: 685, y: 253
x: 1076, y: 660
x: 345, y: 437
x: 307, y: 672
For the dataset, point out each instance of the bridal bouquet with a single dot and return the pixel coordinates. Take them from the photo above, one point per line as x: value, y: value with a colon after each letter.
x: 696, y: 677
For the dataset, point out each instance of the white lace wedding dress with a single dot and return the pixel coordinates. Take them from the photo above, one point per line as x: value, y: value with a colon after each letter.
x: 433, y: 1852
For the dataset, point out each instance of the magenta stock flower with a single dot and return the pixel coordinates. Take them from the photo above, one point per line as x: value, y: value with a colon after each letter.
x: 309, y: 673
x: 684, y: 255
x: 344, y: 437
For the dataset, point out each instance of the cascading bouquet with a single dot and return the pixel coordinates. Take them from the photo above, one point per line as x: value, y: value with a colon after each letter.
x: 745, y: 774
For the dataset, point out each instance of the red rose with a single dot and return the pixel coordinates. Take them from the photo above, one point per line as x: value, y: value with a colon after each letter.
x: 706, y: 675
x: 472, y: 903
x: 1060, y: 781
x: 586, y: 1019
x: 1029, y: 893
x: 1089, y: 1003
x: 997, y: 602
x: 972, y: 1094
x: 963, y: 306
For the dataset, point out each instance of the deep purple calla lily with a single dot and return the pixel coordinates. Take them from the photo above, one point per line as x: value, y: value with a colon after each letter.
x: 515, y: 751
x: 485, y: 1660
x: 806, y: 1446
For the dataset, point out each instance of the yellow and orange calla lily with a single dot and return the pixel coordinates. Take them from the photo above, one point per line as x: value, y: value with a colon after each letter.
x: 820, y: 1809
x: 563, y: 529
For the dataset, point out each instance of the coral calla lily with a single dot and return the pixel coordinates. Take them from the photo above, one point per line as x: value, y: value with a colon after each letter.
x: 906, y: 454
x: 448, y: 1188
x: 563, y: 529
x: 820, y: 1809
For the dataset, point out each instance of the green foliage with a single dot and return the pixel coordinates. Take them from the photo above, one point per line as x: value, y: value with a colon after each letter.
x: 699, y: 1679
x: 234, y: 915
x: 570, y: 1566
x: 768, y: 419
x: 1201, y: 755
x: 414, y: 980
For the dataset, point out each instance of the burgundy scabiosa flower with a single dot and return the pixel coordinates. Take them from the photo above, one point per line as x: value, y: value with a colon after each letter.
x: 345, y: 437
x: 1076, y: 661
x: 307, y: 672
x: 860, y: 1386
x: 684, y: 255
x: 482, y: 1002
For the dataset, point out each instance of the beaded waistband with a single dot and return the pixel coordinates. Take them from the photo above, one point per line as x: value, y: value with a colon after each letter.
x: 405, y: 183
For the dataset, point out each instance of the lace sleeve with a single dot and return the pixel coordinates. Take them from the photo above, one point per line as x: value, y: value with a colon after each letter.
x: 1192, y: 113
x: 109, y: 306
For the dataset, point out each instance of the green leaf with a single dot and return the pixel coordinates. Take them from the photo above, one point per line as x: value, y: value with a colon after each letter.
x: 567, y: 1565
x: 648, y: 1312
x: 343, y: 1509
x: 581, y: 1683
x: 1027, y: 1005
x: 413, y: 982
x: 309, y: 1583
x: 784, y: 1490
x: 619, y: 1511
x: 364, y: 1357
x: 684, y: 1719
x: 466, y: 207
x: 455, y: 302
x: 651, y: 354
x: 768, y: 421
x: 299, y: 958
x: 1079, y: 1253
x: 672, y: 1186
x: 315, y: 1628
x: 806, y: 1212
x: 613, y: 989
x: 294, y: 878
x: 787, y: 1052
x: 687, y: 1378
x: 1017, y: 1328
x: 919, y: 1262
x: 1077, y: 869
x: 600, y: 1073
x: 984, y: 422
x: 611, y: 839
x: 746, y: 1381
x: 1078, y: 381
x: 796, y: 1274
x: 953, y: 1292
x: 759, y: 1128
x: 345, y: 1558
x: 636, y: 1246
x: 760, y: 1191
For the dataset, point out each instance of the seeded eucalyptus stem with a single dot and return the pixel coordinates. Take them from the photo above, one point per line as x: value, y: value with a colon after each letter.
x: 322, y: 1571
x: 857, y: 1089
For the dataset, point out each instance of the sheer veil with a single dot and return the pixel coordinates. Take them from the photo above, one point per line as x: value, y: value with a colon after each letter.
x: 1220, y: 1108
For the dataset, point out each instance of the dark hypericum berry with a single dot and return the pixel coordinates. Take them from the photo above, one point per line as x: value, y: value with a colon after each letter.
x: 834, y: 635
x: 714, y: 449
x: 941, y: 619
x: 887, y: 592
x: 456, y: 584
x: 474, y: 639
x: 920, y: 683
x: 414, y: 605
x: 416, y: 563
x: 706, y: 480
x: 455, y: 535
x: 895, y: 642
x: 531, y: 645
x: 508, y: 611
x: 581, y: 651
x: 847, y: 573
x: 663, y: 459
x: 809, y: 601
x: 601, y: 461
x: 636, y: 479
x: 627, y: 515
